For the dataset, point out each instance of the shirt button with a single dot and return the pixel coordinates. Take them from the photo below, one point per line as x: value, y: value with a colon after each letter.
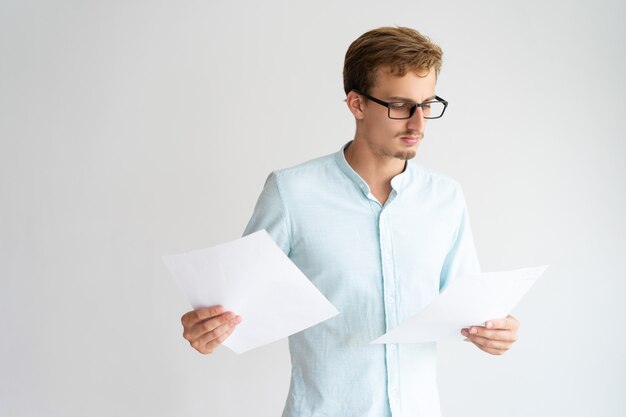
x: 387, y: 256
x: 392, y: 347
x: 391, y: 300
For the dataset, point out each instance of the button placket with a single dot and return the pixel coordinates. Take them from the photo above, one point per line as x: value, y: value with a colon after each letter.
x: 389, y: 302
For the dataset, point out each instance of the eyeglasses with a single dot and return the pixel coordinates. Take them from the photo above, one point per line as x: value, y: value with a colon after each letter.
x: 399, y: 110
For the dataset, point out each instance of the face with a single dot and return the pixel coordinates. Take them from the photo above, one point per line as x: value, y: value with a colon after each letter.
x: 389, y: 138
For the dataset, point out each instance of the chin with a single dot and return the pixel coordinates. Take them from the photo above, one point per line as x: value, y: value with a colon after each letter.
x: 405, y: 155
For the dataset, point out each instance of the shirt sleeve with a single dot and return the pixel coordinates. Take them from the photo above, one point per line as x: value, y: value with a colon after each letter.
x: 462, y: 257
x: 270, y: 213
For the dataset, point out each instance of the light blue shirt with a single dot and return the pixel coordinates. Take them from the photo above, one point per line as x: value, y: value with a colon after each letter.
x: 379, y: 265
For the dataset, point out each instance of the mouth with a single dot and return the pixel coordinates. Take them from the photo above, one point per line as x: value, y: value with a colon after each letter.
x: 410, y: 140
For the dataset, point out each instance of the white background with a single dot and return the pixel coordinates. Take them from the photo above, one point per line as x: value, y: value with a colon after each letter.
x: 134, y: 129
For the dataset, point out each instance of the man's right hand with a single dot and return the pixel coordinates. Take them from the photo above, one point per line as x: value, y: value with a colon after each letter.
x: 206, y: 328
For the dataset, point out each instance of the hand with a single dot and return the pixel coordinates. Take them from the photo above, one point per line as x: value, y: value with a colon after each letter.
x: 496, y: 337
x: 206, y: 328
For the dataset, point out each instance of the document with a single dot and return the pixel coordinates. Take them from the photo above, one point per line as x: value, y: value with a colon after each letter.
x: 470, y: 300
x: 253, y: 278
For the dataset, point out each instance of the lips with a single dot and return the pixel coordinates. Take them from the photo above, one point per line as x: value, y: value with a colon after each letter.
x: 410, y: 140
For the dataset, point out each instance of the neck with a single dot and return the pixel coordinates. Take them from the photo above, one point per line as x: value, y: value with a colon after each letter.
x: 377, y: 170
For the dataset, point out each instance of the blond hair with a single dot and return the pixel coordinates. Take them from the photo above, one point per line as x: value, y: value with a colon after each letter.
x: 401, y: 49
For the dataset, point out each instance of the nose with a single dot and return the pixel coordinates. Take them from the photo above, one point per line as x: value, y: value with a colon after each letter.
x: 417, y: 121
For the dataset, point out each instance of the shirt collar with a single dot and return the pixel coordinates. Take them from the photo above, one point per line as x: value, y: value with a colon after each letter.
x: 397, y: 183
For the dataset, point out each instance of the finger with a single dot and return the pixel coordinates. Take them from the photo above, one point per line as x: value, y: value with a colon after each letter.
x: 491, y: 351
x: 206, y: 326
x: 208, y: 345
x: 485, y: 343
x: 503, y: 335
x: 202, y: 341
x: 194, y: 316
x: 213, y: 344
x: 508, y: 322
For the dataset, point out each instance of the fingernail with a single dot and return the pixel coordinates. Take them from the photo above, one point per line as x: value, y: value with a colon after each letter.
x: 489, y: 325
x: 473, y: 330
x: 238, y: 319
x: 464, y: 332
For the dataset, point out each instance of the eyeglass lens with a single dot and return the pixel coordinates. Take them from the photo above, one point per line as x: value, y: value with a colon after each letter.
x: 431, y: 110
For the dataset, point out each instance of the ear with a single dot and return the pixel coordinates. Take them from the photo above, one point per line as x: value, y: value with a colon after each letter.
x: 356, y: 104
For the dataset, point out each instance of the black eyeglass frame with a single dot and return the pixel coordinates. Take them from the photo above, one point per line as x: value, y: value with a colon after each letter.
x: 413, y: 109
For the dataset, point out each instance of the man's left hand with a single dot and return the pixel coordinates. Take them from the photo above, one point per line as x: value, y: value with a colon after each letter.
x: 495, y: 337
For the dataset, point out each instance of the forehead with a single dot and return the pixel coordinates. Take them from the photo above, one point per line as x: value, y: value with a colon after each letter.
x: 412, y: 85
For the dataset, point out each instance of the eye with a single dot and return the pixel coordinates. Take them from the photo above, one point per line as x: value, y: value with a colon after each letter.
x: 400, y: 106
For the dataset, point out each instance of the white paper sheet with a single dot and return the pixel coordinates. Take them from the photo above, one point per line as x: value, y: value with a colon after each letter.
x: 472, y: 299
x: 253, y: 278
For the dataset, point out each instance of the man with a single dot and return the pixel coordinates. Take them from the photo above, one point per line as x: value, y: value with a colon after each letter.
x: 378, y: 235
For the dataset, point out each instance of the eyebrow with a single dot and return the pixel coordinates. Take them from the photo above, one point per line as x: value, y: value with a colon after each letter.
x: 410, y: 100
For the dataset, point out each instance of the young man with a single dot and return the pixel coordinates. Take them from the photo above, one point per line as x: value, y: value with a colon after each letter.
x: 378, y: 235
